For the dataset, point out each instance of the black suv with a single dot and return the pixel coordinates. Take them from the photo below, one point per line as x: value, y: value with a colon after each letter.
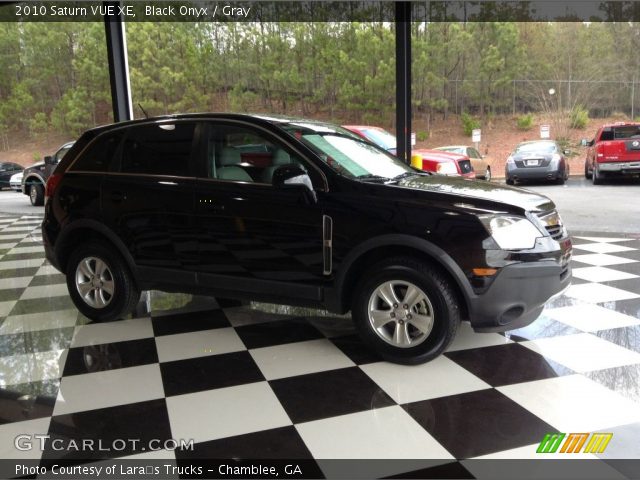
x: 35, y: 176
x: 298, y: 212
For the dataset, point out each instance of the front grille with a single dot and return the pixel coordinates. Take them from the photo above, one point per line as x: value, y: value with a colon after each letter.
x: 465, y: 166
x: 552, y: 223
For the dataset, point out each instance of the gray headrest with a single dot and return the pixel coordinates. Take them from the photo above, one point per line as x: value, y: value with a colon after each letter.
x: 229, y: 156
x: 281, y: 157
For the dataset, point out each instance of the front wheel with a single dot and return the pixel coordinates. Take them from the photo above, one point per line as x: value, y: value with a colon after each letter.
x: 36, y: 194
x: 406, y: 310
x: 100, y: 283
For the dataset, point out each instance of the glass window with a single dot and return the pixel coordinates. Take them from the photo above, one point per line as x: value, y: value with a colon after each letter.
x: 244, y: 155
x: 99, y: 155
x: 347, y: 154
x: 158, y: 149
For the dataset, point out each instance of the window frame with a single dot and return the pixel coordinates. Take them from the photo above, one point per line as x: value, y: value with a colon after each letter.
x: 318, y: 179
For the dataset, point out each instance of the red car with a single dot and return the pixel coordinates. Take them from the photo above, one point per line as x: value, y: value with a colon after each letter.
x: 437, y: 161
x: 445, y: 163
x: 614, y: 151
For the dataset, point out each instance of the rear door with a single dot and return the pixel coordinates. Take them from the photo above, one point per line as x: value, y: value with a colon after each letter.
x: 148, y: 197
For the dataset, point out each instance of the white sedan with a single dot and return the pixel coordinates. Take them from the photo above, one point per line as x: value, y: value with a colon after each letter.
x: 15, y: 182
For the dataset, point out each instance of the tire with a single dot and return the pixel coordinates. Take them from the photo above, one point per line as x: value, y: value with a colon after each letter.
x: 509, y: 181
x: 595, y: 176
x: 560, y: 180
x: 36, y: 194
x: 101, y: 303
x: 587, y: 173
x: 402, y: 339
x: 487, y: 174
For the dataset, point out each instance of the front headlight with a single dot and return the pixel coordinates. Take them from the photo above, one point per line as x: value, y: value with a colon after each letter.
x: 511, y: 232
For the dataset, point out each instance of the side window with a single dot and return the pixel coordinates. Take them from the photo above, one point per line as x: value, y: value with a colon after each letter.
x: 158, y: 149
x: 99, y: 155
x: 244, y: 155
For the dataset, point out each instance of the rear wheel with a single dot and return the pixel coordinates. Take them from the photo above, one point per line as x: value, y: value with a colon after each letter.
x: 406, y: 310
x: 509, y: 181
x: 596, y: 177
x: 587, y: 172
x: 100, y: 283
x: 36, y: 194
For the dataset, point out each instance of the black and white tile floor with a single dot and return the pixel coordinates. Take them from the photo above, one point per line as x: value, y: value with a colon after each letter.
x: 245, y: 383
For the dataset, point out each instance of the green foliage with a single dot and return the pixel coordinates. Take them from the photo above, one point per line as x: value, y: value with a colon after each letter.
x: 579, y: 117
x: 637, y: 119
x: 469, y: 124
x: 38, y: 124
x: 525, y: 122
x: 422, y: 136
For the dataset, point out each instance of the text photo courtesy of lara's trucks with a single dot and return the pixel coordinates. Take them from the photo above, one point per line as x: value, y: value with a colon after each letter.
x: 614, y: 151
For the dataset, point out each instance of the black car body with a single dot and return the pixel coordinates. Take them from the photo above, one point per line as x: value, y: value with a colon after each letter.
x: 537, y: 160
x: 35, y: 176
x: 8, y: 170
x: 298, y: 212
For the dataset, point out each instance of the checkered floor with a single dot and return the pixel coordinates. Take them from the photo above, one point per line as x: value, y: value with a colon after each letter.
x: 245, y: 382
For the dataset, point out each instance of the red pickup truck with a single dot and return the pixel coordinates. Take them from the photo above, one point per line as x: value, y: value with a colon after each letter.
x: 615, y: 150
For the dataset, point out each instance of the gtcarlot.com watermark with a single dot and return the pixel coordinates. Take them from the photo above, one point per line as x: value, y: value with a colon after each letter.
x: 30, y: 442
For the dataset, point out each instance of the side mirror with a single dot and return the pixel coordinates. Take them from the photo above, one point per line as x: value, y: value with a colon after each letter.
x: 288, y: 176
x: 48, y: 160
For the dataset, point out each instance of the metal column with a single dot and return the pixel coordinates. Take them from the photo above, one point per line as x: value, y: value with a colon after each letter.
x: 118, y: 65
x: 403, y: 79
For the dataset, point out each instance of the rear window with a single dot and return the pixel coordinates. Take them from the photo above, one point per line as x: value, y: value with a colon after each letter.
x: 98, y: 156
x: 622, y: 132
x: 158, y: 149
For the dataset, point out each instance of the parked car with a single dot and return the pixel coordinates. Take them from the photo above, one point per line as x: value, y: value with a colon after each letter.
x: 478, y: 162
x: 537, y: 160
x: 424, y: 159
x: 376, y: 135
x: 170, y: 203
x: 8, y: 170
x: 614, y: 151
x: 15, y: 182
x: 36, y: 176
x: 444, y: 163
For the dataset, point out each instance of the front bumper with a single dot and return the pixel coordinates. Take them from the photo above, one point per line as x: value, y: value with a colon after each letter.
x: 517, y: 296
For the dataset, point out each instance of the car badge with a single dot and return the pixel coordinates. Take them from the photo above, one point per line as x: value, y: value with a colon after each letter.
x: 636, y: 143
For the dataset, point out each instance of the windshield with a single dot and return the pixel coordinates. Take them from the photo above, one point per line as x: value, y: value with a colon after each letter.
x: 381, y: 138
x: 347, y: 154
x: 538, y: 147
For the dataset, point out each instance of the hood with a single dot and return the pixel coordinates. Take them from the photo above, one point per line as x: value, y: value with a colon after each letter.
x: 472, y: 189
x: 36, y: 165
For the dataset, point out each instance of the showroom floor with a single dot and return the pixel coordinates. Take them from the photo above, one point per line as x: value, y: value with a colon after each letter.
x: 246, y: 383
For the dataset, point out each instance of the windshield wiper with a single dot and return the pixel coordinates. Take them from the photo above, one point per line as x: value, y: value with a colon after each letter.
x: 371, y: 176
x: 409, y: 174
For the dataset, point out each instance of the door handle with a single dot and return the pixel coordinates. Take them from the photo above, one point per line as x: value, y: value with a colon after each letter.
x: 118, y: 196
x: 210, y: 204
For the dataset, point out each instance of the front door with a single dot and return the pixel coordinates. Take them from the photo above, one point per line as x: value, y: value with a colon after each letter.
x: 250, y: 229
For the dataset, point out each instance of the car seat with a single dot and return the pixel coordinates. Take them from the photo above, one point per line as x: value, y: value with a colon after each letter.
x: 229, y: 166
x: 280, y: 157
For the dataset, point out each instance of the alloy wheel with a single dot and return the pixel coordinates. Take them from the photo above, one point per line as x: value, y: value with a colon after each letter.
x: 94, y: 282
x: 400, y: 313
